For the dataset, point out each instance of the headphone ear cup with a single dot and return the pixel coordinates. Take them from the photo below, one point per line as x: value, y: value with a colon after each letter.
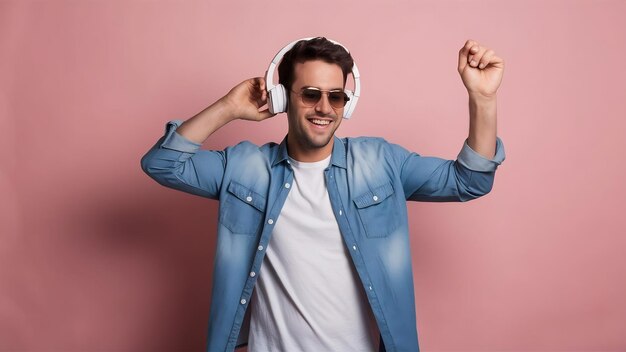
x: 347, y: 109
x: 277, y: 99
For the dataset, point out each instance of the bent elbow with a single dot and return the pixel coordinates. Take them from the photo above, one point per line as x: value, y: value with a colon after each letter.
x: 481, y: 184
x: 158, y: 168
x: 146, y: 164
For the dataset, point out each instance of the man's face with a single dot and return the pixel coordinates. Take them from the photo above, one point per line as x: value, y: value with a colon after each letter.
x: 311, y: 129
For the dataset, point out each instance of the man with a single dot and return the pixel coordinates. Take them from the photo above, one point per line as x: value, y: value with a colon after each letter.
x: 313, y: 232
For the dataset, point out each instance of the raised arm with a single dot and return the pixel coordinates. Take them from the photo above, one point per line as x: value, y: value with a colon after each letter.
x: 481, y: 72
x: 471, y: 175
x: 242, y: 102
x: 176, y: 160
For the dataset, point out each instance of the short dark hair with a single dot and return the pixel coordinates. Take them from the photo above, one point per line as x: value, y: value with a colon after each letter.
x: 318, y: 48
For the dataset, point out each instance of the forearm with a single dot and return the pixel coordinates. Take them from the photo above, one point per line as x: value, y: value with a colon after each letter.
x: 199, y: 127
x: 178, y: 163
x: 482, y: 128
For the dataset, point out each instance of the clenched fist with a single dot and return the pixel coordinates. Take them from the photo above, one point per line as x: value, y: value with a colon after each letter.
x: 480, y: 69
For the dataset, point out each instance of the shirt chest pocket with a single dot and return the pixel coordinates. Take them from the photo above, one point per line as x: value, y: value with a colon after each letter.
x: 378, y: 211
x: 242, y: 210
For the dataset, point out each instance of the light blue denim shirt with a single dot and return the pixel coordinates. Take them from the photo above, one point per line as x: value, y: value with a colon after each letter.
x: 369, y: 181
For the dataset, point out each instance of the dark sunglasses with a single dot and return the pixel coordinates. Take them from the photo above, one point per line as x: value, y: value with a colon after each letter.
x: 311, y: 96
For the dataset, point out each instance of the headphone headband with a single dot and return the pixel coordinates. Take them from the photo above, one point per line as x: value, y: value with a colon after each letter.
x: 277, y: 95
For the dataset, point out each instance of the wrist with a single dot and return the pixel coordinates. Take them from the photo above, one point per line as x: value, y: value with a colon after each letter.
x: 482, y: 98
x: 227, y: 109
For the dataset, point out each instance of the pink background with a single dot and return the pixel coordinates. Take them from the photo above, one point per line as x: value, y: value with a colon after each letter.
x: 96, y: 256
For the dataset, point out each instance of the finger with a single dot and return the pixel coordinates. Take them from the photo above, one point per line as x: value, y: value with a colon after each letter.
x: 496, y: 61
x: 474, y: 59
x: 261, y: 82
x: 486, y: 58
x: 261, y: 99
x: 465, y: 53
x: 253, y: 85
x: 255, y: 96
x: 473, y: 51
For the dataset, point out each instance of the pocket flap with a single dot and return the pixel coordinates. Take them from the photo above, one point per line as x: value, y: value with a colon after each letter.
x: 374, y: 196
x: 247, y: 195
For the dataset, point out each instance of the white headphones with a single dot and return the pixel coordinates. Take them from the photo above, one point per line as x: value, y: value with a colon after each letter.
x: 277, y: 94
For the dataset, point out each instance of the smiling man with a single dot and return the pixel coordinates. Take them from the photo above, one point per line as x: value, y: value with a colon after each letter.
x: 312, y: 124
x: 313, y: 242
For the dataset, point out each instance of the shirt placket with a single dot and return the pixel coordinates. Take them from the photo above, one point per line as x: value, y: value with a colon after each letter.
x: 354, y: 249
x: 268, y: 226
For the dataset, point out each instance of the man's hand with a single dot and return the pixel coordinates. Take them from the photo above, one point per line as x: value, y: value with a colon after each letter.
x: 242, y: 102
x: 480, y: 69
x: 246, y: 98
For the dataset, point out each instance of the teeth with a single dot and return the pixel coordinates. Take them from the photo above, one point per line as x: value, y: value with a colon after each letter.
x: 320, y: 122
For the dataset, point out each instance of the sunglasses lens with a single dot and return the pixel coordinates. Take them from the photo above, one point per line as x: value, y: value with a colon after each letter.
x: 337, y: 99
x: 311, y: 96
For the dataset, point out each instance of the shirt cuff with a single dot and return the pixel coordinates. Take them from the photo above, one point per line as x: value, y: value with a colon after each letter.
x: 476, y: 162
x: 175, y: 141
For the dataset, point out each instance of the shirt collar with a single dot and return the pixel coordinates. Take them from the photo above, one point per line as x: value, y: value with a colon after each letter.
x: 338, y: 157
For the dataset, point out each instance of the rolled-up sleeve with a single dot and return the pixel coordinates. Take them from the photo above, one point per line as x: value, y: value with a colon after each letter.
x: 179, y: 163
x: 476, y: 162
x: 175, y: 141
x: 435, y: 179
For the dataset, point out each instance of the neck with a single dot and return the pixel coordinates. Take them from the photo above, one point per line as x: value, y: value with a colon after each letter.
x: 308, y: 155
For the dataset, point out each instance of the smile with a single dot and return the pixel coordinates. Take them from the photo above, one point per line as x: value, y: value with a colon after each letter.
x: 320, y: 122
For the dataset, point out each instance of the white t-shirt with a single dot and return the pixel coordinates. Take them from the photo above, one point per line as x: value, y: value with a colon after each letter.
x: 308, y: 296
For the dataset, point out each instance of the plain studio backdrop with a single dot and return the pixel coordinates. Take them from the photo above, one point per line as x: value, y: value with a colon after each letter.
x: 95, y: 256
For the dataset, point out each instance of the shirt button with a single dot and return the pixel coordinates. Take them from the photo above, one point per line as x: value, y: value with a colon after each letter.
x: 370, y: 287
x: 375, y: 198
x: 260, y: 248
x: 354, y: 247
x: 249, y: 199
x: 270, y: 221
x: 287, y: 185
x: 243, y: 301
x: 252, y: 274
x: 340, y: 212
